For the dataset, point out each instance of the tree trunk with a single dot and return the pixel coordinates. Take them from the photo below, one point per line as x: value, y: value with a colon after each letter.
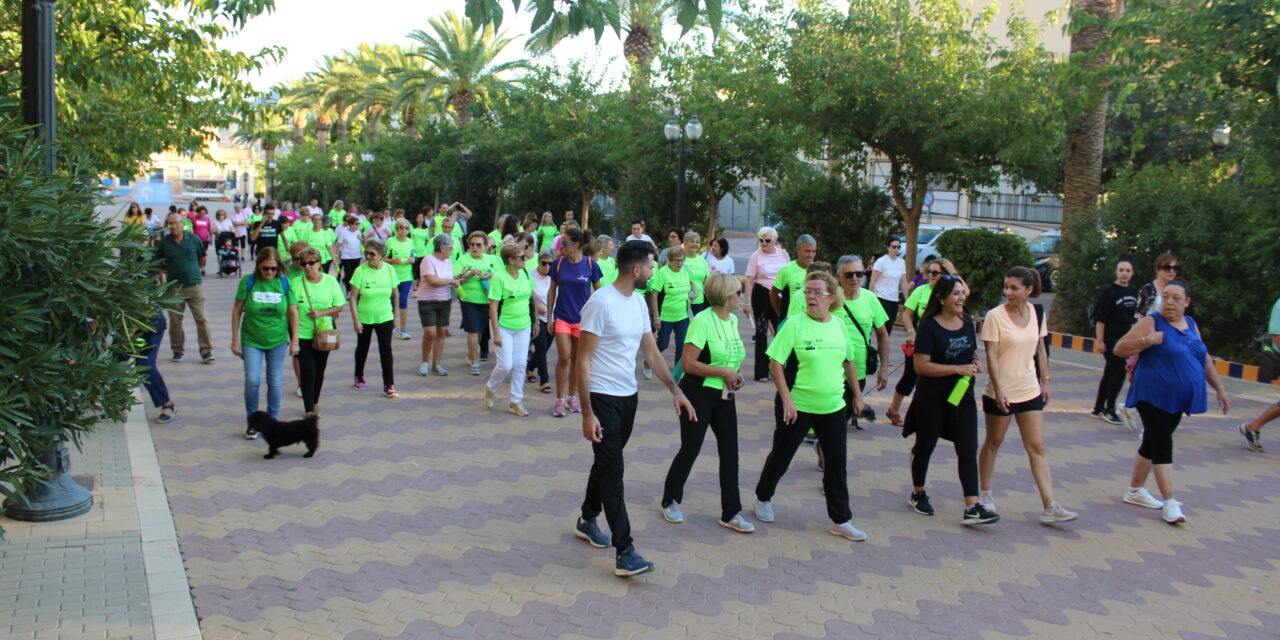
x: 585, y: 192
x: 910, y: 211
x: 322, y: 132
x: 373, y: 128
x: 713, y: 208
x: 299, y: 124
x: 411, y: 123
x: 1082, y: 180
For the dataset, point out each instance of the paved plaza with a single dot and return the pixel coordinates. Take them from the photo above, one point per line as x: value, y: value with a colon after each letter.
x: 427, y: 516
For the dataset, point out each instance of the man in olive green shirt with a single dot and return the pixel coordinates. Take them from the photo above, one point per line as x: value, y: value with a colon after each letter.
x: 183, y: 256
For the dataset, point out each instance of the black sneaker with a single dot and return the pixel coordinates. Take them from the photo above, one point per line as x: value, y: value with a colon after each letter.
x: 206, y: 356
x: 1110, y: 417
x: 1251, y: 438
x: 853, y: 422
x: 920, y: 502
x: 978, y: 514
x: 631, y: 564
x: 177, y: 357
x: 587, y: 530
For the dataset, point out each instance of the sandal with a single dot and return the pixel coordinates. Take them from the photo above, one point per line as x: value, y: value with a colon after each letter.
x: 895, y: 418
x: 546, y: 387
x: 164, y: 418
x: 533, y: 377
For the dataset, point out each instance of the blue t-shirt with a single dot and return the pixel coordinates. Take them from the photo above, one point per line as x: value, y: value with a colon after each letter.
x: 1170, y: 375
x: 573, y: 287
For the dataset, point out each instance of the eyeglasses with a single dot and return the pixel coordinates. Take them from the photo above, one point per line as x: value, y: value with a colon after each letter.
x: 934, y: 273
x: 949, y: 277
x: 1170, y: 267
x: 544, y: 264
x: 269, y: 269
x: 895, y: 246
x: 370, y: 254
x: 811, y: 292
x: 853, y: 275
x: 309, y: 263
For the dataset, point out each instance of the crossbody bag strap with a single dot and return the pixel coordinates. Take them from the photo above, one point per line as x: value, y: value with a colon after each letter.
x: 306, y: 290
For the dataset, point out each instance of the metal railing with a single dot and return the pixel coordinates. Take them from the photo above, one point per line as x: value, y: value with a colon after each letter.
x: 1022, y: 208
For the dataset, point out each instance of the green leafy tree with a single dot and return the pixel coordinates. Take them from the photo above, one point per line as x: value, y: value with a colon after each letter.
x: 811, y: 201
x: 926, y: 87
x: 66, y: 353
x: 136, y: 77
x: 983, y: 257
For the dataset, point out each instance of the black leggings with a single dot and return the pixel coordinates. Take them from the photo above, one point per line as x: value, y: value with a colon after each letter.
x: 383, y: 329
x: 311, y: 366
x: 832, y: 433
x: 722, y: 416
x: 1157, y: 433
x: 1112, y: 381
x: 541, y: 345
x: 848, y: 395
x: 349, y: 269
x: 908, y: 382
x: 891, y: 309
x: 962, y: 423
x: 764, y: 318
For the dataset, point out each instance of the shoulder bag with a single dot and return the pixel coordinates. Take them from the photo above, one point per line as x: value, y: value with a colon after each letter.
x: 324, y: 339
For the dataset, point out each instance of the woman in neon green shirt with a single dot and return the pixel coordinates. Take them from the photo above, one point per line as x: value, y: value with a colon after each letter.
x: 318, y: 298
x: 421, y: 235
x: 400, y: 254
x: 697, y: 267
x: 669, y: 294
x: 547, y: 232
x: 713, y: 353
x: 604, y: 258
x: 914, y: 306
x: 475, y: 269
x: 511, y: 321
x: 811, y: 351
x: 264, y: 328
x: 373, y: 294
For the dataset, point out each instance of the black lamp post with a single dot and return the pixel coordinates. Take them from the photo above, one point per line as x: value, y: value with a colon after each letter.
x: 676, y: 136
x: 271, y: 181
x: 368, y: 192
x: 59, y: 497
x: 469, y: 161
x: 308, y: 161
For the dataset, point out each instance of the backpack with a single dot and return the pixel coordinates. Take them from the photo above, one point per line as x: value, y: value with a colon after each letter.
x: 284, y: 282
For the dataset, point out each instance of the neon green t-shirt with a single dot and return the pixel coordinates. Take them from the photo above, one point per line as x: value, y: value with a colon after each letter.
x: 421, y: 241
x: 790, y: 278
x: 286, y: 240
x: 870, y: 315
x: 919, y: 299
x: 608, y: 270
x: 547, y: 236
x: 820, y: 349
x: 514, y: 295
x: 698, y: 270
x: 401, y: 250
x: 265, y: 323
x: 321, y: 240
x: 497, y: 238
x: 472, y: 290
x: 322, y: 295
x: 672, y: 288
x: 719, y: 339
x: 376, y: 286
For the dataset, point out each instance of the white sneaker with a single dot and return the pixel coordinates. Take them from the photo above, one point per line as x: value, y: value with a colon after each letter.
x: 425, y: 369
x: 1142, y: 498
x: 475, y: 368
x: 672, y: 513
x: 439, y: 370
x: 405, y: 335
x: 1173, y: 512
x: 488, y: 398
x: 1128, y: 418
x: 987, y: 501
x: 518, y: 409
x: 739, y: 524
x: 1056, y: 513
x: 764, y: 511
x: 847, y: 530
x: 297, y: 391
x: 648, y: 374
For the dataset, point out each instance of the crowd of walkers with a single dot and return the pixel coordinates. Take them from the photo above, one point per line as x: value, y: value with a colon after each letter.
x: 820, y: 332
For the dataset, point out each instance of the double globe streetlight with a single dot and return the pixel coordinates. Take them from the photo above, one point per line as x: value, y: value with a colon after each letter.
x: 368, y: 193
x: 676, y: 136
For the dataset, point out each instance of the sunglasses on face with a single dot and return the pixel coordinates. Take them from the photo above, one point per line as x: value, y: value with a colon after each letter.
x: 544, y: 264
x: 766, y: 240
x: 309, y: 263
x: 933, y: 273
x: 1170, y: 267
x: 895, y: 246
x: 269, y: 269
x: 852, y: 275
x: 370, y: 254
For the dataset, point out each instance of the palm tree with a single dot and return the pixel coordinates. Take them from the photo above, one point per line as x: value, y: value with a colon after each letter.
x: 1082, y: 179
x: 462, y: 57
x: 641, y: 20
x: 266, y: 126
x: 381, y: 67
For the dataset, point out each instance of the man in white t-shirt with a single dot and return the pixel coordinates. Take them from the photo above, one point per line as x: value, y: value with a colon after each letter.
x: 615, y: 327
x: 313, y: 209
x: 889, y: 279
x: 637, y: 233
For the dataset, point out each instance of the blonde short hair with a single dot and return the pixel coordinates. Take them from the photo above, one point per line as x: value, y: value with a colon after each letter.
x: 306, y: 252
x: 719, y: 287
x: 837, y: 294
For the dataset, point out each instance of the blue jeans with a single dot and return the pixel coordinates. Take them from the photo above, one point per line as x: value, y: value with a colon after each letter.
x: 664, y: 336
x: 153, y: 381
x: 253, y: 358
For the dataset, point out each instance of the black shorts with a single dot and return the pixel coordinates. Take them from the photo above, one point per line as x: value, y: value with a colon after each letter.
x: 991, y: 407
x: 475, y: 316
x: 434, y: 313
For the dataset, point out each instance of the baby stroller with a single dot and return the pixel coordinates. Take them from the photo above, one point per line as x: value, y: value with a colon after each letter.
x: 228, y: 255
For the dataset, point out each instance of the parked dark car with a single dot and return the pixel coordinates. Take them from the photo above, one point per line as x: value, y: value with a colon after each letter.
x: 1045, y: 250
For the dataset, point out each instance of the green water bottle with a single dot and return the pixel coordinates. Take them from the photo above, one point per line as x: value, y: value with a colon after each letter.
x: 957, y: 393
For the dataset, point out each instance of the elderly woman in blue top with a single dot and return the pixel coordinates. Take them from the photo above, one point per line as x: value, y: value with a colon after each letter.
x: 1168, y: 381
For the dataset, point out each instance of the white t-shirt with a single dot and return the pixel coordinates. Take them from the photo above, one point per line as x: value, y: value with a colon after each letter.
x: 719, y: 265
x: 348, y: 243
x: 620, y: 321
x: 643, y: 236
x: 313, y: 211
x: 541, y: 284
x: 889, y: 285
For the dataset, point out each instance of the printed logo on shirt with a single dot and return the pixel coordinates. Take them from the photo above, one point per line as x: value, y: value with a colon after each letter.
x: 956, y: 345
x: 268, y: 297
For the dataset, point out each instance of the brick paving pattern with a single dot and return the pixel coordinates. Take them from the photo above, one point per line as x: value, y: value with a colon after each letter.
x: 427, y: 516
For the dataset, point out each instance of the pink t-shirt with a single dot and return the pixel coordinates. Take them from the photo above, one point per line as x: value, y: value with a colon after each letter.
x: 763, y: 267
x: 440, y: 269
x: 200, y: 226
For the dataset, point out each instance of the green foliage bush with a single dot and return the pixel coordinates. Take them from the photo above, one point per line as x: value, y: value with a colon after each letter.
x: 76, y: 290
x: 1225, y: 233
x: 842, y: 215
x: 983, y: 257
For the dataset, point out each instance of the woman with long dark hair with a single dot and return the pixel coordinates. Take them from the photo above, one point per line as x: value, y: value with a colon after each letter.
x: 1114, y: 313
x: 914, y: 309
x: 574, y: 277
x: 944, y: 407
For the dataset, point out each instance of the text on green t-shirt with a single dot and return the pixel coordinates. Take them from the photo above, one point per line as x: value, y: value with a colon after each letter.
x: 820, y: 350
x: 514, y: 295
x: 672, y: 288
x: 322, y: 295
x: 265, y: 322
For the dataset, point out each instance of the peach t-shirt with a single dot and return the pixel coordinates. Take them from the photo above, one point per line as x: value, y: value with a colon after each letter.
x: 1015, y: 353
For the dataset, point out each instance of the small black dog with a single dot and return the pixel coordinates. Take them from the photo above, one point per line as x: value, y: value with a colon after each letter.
x: 279, y: 433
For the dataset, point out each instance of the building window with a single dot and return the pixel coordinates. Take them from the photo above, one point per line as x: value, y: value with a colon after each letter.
x: 188, y: 174
x: 157, y: 175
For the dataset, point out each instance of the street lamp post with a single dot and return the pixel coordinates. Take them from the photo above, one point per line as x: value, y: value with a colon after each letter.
x: 308, y: 178
x: 368, y: 193
x: 469, y: 161
x: 676, y: 136
x: 271, y: 181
